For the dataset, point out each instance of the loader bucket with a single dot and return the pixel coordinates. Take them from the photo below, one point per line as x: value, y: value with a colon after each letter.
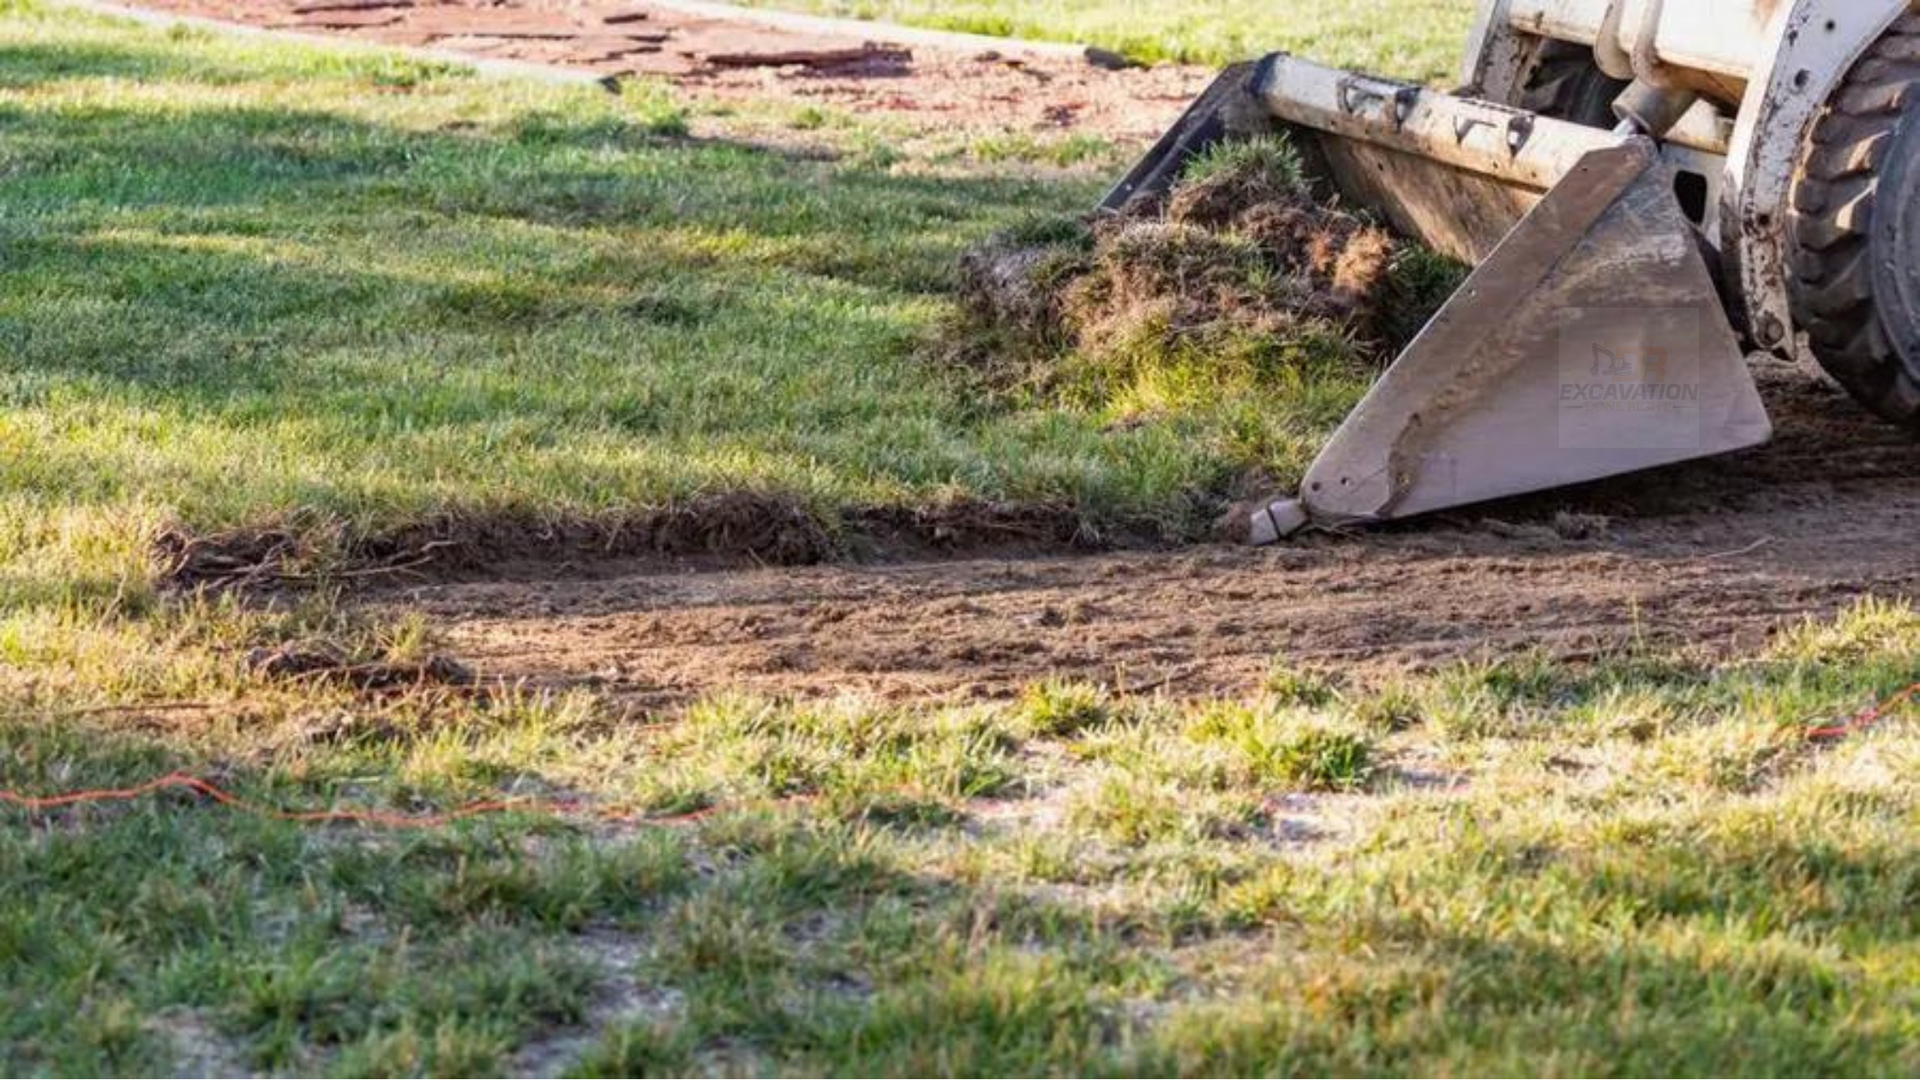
x: 1589, y: 341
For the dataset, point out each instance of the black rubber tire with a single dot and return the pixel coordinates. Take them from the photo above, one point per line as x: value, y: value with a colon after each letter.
x: 1566, y: 84
x: 1854, y: 233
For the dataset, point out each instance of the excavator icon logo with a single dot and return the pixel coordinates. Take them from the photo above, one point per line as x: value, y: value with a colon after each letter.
x: 1647, y: 366
x: 1640, y: 377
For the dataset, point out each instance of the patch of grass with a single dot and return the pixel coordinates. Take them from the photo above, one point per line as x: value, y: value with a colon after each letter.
x: 1384, y: 709
x: 250, y: 285
x: 1419, y: 282
x: 1133, y: 809
x: 1065, y: 152
x: 1870, y: 630
x: 1419, y: 39
x: 1044, y: 230
x: 1056, y: 709
x: 638, y: 1049
x: 1289, y: 685
x: 810, y: 118
x: 1242, y: 308
x: 1265, y: 168
x: 872, y: 764
x: 1130, y: 893
x: 1286, y: 750
x: 1637, y: 864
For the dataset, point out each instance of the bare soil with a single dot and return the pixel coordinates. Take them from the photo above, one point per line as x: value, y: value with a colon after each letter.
x: 1713, y: 556
x: 935, y: 88
x: 975, y: 602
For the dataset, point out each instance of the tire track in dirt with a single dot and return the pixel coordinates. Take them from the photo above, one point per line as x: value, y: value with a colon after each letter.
x: 1714, y: 557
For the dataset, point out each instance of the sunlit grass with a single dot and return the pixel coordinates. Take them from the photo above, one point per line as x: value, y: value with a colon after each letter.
x: 246, y: 285
x: 1643, y: 863
x: 1420, y: 39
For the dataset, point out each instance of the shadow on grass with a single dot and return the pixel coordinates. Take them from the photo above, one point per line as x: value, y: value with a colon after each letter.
x: 27, y: 67
x: 379, y: 299
x: 122, y: 49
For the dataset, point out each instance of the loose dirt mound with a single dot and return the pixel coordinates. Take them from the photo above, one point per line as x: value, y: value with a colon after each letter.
x: 760, y: 527
x: 1712, y: 556
x: 711, y: 532
x: 1242, y: 268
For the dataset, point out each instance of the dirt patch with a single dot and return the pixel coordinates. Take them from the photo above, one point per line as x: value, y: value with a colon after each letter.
x: 231, y: 557
x: 973, y: 526
x: 1713, y: 556
x: 942, y: 89
x: 322, y: 661
x: 200, y: 1047
x: 741, y: 525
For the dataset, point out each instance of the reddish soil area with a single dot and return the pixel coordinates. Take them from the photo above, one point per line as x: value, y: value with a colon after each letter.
x: 1714, y: 557
x: 949, y: 88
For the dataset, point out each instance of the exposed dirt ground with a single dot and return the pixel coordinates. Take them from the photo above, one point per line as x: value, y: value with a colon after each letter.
x: 945, y: 88
x: 1714, y: 555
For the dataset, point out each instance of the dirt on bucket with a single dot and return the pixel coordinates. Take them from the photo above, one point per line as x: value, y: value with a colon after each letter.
x: 1243, y: 262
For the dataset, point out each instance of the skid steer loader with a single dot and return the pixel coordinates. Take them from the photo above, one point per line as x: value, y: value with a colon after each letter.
x: 1646, y: 189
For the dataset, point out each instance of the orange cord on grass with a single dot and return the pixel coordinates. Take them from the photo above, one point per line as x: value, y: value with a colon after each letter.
x: 557, y: 808
x: 1867, y: 719
x: 377, y: 818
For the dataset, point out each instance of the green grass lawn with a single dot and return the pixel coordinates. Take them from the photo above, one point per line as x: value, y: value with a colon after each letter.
x: 1418, y: 39
x: 244, y: 286
x: 1639, y: 866
x: 245, y: 283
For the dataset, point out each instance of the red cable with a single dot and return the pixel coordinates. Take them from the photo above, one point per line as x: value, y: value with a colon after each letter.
x: 1866, y: 719
x: 564, y: 809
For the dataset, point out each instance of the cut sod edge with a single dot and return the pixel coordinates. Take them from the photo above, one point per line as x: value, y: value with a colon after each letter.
x: 727, y: 529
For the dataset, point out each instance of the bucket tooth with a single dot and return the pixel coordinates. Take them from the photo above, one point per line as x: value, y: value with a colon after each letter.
x: 1590, y: 343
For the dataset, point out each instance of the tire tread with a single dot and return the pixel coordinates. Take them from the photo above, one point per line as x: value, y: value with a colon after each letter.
x: 1832, y: 220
